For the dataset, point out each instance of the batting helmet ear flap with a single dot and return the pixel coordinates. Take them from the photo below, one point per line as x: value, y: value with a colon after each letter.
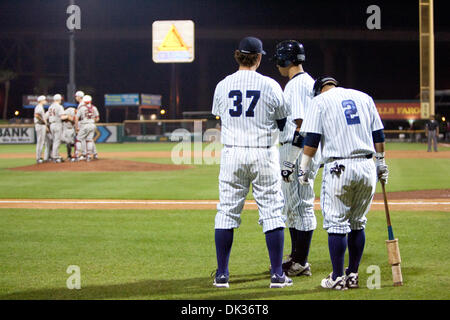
x: 321, y: 82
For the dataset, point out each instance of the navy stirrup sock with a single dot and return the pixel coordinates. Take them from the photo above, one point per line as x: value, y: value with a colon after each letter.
x: 356, y: 241
x: 224, y: 240
x: 337, y: 244
x: 275, y: 243
x: 302, y: 246
x: 293, y: 233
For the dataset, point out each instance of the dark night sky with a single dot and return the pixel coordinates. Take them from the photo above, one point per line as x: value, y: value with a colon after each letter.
x: 386, y: 70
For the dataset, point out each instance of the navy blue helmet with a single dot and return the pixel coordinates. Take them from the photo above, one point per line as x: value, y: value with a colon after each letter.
x: 289, y: 52
x: 321, y: 82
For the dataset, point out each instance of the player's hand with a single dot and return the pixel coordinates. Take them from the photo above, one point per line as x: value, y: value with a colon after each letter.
x: 382, y: 173
x: 286, y: 171
x: 303, y: 177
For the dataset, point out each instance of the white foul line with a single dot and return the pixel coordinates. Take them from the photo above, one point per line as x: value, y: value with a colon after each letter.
x: 176, y: 202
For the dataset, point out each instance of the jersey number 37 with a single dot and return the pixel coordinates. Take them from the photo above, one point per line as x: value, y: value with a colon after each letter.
x: 351, y: 113
x: 236, y: 95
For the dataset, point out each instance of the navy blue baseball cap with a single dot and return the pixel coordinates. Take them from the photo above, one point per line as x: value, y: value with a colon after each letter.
x: 251, y: 45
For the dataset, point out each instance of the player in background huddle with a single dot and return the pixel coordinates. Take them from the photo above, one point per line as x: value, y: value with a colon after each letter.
x: 349, y: 129
x: 40, y: 125
x: 85, y: 120
x: 48, y: 142
x: 56, y: 116
x: 250, y: 107
x: 68, y: 136
x: 299, y: 199
x: 79, y: 98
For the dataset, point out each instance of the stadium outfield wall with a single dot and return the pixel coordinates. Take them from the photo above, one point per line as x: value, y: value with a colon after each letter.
x: 161, y: 131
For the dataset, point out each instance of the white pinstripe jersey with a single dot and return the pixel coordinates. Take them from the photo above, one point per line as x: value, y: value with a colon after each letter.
x: 298, y: 95
x: 345, y: 118
x: 249, y: 104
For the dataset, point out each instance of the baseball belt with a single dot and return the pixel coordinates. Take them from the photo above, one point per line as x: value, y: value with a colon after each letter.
x: 366, y: 156
x: 230, y: 146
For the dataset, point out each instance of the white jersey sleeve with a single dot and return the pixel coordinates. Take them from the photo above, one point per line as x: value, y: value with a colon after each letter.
x: 39, y: 109
x: 298, y: 96
x: 313, y: 121
x: 281, y: 109
x: 376, y: 120
x: 216, y: 109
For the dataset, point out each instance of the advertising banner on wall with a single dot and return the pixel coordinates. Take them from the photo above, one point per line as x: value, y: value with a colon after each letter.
x: 12, y: 135
x: 399, y: 110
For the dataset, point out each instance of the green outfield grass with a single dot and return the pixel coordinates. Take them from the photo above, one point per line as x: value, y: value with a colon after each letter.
x: 170, y: 255
x: 200, y: 182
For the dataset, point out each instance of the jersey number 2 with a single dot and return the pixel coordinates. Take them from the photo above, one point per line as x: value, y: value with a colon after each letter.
x: 237, y: 102
x: 351, y: 113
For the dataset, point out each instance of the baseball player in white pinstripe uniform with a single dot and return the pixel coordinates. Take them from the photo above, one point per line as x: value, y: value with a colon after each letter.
x: 299, y: 199
x: 250, y: 106
x: 350, y: 131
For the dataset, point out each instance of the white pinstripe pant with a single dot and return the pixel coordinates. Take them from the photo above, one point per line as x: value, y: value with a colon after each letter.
x: 241, y: 167
x: 299, y: 199
x: 345, y: 200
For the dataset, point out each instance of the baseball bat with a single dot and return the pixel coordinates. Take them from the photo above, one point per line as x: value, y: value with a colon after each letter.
x: 393, y: 250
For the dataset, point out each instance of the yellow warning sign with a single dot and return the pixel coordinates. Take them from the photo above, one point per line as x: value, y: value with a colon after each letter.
x: 173, y: 41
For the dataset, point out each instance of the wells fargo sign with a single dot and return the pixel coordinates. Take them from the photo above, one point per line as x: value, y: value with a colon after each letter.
x: 407, y: 110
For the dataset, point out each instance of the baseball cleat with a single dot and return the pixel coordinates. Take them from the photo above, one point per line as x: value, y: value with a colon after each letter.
x: 338, y: 284
x: 82, y: 158
x: 296, y: 269
x: 58, y: 160
x: 277, y: 281
x: 221, y: 281
x: 96, y: 156
x: 287, y: 261
x: 351, y: 280
x: 39, y: 161
x: 88, y: 158
x: 287, y: 258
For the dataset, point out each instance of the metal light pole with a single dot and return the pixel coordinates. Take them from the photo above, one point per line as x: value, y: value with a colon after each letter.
x: 71, y: 85
x: 426, y: 43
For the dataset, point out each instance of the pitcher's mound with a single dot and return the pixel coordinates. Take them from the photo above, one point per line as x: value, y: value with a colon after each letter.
x: 102, y: 165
